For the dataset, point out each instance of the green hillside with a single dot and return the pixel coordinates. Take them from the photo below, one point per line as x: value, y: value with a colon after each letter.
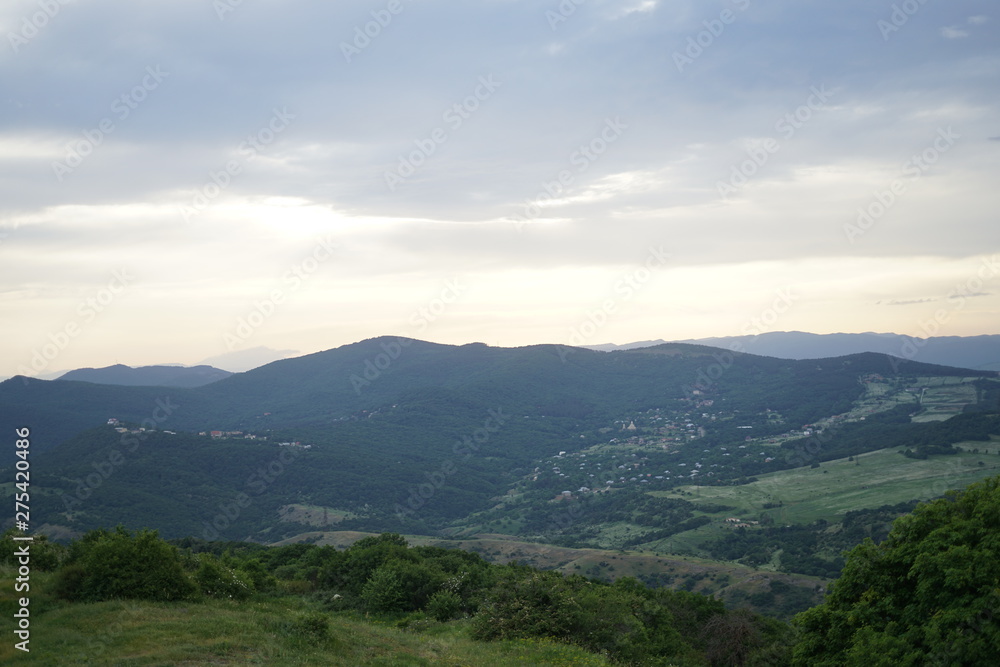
x: 216, y: 632
x: 114, y: 597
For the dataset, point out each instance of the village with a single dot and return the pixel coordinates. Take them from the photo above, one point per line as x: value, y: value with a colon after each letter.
x: 214, y: 435
x: 660, y: 448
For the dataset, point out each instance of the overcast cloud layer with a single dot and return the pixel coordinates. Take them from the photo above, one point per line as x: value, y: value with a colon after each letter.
x: 185, y: 179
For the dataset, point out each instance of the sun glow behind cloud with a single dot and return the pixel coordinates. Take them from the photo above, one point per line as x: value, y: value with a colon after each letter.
x: 485, y: 204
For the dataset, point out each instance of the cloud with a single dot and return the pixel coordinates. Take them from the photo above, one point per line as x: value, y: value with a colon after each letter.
x: 952, y: 32
x: 906, y: 302
x: 202, y: 138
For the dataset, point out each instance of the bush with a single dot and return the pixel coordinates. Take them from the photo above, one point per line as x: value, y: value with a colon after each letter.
x: 218, y: 581
x: 108, y: 565
x: 256, y: 575
x: 45, y: 555
x: 303, y: 630
x: 444, y: 605
x: 383, y: 592
x: 313, y: 627
x: 69, y: 581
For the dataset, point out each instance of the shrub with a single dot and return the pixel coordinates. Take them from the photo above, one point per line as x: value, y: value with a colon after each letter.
x: 383, y: 591
x: 444, y: 605
x: 69, y: 581
x: 216, y: 580
x: 108, y: 565
x: 313, y: 626
x: 45, y: 555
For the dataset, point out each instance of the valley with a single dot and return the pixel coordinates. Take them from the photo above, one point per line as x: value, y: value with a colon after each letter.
x: 680, y: 465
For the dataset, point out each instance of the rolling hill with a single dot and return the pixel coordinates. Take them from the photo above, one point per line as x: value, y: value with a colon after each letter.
x: 148, y: 376
x: 978, y: 352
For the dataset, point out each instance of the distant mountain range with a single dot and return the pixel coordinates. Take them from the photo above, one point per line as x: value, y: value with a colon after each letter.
x: 367, y: 425
x: 149, y: 376
x: 319, y: 389
x: 240, y: 361
x: 977, y: 352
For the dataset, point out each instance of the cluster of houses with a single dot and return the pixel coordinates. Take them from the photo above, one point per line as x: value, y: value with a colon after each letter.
x: 215, y: 435
x: 218, y: 435
x: 124, y: 429
x: 222, y: 435
x: 294, y: 444
x: 734, y: 522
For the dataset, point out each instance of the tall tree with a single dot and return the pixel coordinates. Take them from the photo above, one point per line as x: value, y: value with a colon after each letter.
x: 927, y: 595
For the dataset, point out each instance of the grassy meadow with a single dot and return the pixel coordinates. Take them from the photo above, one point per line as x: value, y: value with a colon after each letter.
x: 274, y: 631
x: 882, y: 477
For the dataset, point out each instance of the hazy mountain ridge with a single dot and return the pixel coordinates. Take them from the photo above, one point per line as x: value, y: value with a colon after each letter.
x: 975, y: 352
x: 148, y: 376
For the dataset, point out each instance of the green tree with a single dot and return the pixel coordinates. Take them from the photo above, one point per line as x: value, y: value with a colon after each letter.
x: 351, y: 570
x: 383, y: 592
x: 926, y: 595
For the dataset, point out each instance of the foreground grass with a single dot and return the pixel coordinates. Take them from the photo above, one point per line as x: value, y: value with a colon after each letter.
x: 263, y: 632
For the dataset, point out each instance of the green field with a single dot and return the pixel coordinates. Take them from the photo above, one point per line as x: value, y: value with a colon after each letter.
x: 943, y: 398
x: 882, y: 477
x: 313, y: 515
x: 991, y: 447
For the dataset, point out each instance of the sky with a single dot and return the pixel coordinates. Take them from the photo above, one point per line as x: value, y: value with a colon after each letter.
x: 186, y: 179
